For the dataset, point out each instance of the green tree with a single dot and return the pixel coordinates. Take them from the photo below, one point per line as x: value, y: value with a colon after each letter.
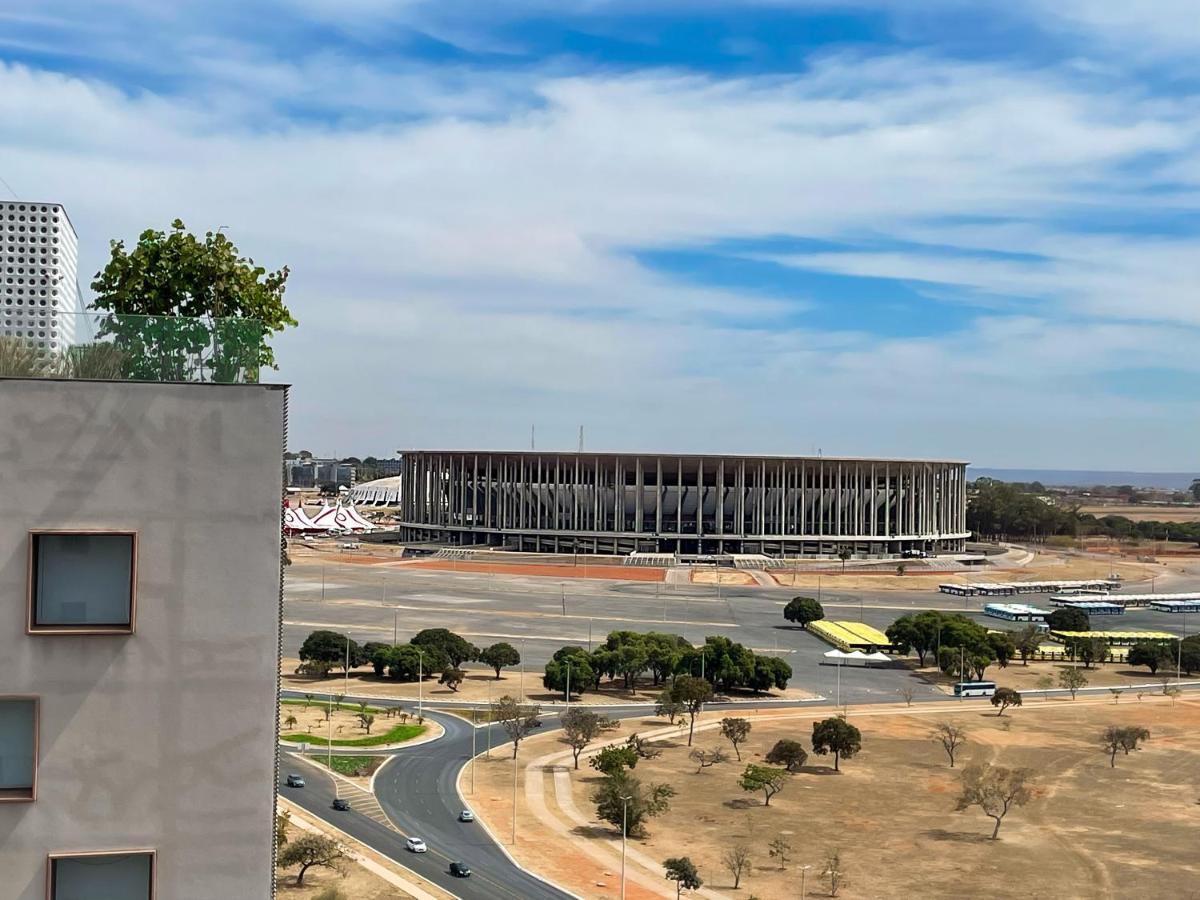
x: 517, y: 719
x: 283, y: 821
x: 789, y: 754
x: 692, y: 694
x: 1003, y: 647
x: 832, y: 871
x: 311, y: 850
x: 613, y: 759
x: 622, y: 798
x: 290, y: 722
x: 330, y: 647
x: 1149, y: 654
x: 456, y: 649
x: 366, y: 720
x: 1122, y: 737
x: 500, y: 655
x: 735, y: 731
x: 994, y: 789
x: 1027, y: 641
x: 1072, y: 680
x: 844, y: 554
x: 452, y: 678
x: 803, y: 610
x: 683, y: 872
x: 767, y: 779
x: 837, y: 736
x: 1004, y: 698
x: 582, y: 676
x: 706, y: 758
x: 168, y: 275
x: 1068, y: 618
x: 580, y: 727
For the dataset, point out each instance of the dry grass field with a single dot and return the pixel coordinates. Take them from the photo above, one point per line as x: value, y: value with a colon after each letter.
x: 1090, y: 831
x: 1146, y: 513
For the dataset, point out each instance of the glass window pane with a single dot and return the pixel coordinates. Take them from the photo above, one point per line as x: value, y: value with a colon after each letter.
x: 116, y: 877
x: 17, y: 744
x: 83, y: 579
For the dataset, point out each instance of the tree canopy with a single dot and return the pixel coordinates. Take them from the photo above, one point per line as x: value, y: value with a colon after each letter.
x: 837, y: 736
x: 500, y: 655
x: 684, y: 873
x: 174, y: 274
x: 457, y: 650
x: 787, y: 753
x: 1067, y: 618
x: 622, y: 798
x: 803, y: 610
x: 331, y: 647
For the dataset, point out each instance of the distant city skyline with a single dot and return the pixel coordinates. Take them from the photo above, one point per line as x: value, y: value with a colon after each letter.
x: 760, y: 227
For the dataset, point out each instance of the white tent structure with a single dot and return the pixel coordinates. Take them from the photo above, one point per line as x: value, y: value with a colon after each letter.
x: 855, y: 658
x: 296, y: 521
x: 341, y: 518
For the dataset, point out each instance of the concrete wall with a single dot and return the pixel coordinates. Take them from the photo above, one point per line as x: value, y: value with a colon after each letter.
x: 162, y: 739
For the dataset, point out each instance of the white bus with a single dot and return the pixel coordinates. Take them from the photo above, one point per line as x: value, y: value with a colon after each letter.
x: 974, y: 688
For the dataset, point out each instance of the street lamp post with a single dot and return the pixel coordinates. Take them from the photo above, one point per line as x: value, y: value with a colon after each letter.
x: 804, y: 881
x: 514, y: 813
x: 474, y: 728
x: 395, y: 626
x: 568, y: 685
x: 624, y: 831
x: 563, y: 588
x: 522, y: 671
x: 420, y: 686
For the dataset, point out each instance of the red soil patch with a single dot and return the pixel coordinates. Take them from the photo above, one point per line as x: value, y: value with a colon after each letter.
x: 546, y: 570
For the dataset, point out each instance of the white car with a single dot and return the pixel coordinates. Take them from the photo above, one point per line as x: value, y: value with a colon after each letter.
x: 466, y: 816
x: 416, y: 845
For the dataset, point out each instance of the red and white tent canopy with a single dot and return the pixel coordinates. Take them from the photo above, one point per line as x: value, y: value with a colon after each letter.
x: 340, y: 518
x: 296, y: 521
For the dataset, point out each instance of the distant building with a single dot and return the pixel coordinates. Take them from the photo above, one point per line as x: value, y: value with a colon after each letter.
x: 309, y: 472
x: 682, y: 503
x: 38, y: 274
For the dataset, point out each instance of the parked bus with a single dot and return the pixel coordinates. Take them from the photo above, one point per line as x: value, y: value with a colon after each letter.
x: 974, y: 688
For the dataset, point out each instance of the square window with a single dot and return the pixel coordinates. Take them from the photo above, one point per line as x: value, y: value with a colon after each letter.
x: 18, y: 748
x: 119, y: 875
x: 82, y: 582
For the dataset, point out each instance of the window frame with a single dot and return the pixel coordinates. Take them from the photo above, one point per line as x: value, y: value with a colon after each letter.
x: 31, y: 626
x: 77, y: 854
x: 11, y: 796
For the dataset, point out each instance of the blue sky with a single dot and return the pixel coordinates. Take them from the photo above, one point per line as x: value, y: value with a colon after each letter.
x: 940, y: 229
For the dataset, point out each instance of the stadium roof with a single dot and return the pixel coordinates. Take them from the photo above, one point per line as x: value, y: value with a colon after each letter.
x: 757, y: 456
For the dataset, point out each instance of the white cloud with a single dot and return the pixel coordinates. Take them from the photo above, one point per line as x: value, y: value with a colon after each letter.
x: 459, y: 277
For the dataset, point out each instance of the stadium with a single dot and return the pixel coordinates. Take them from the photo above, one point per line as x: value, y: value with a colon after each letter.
x: 616, y: 503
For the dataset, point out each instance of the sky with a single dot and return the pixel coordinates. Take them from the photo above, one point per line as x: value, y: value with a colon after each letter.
x: 946, y: 229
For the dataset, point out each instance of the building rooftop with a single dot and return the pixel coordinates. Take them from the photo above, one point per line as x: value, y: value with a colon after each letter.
x: 697, y: 456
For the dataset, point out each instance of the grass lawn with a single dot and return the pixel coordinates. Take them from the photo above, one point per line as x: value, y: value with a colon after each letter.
x: 354, y: 766
x: 397, y: 734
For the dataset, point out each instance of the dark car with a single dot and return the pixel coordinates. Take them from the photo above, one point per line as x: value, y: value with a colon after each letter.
x: 341, y: 804
x: 295, y: 780
x: 460, y: 870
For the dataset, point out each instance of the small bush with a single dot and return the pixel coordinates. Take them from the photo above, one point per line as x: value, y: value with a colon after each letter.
x: 331, y: 893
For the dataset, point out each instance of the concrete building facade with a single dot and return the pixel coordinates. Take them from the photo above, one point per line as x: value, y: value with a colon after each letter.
x: 38, y: 274
x: 688, y: 504
x: 139, y: 627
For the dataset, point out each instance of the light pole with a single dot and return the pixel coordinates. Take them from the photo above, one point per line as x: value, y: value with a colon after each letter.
x: 568, y: 685
x: 818, y: 588
x: 563, y: 587
x: 514, y: 814
x: 395, y: 626
x: 474, y: 728
x: 489, y: 722
x: 420, y: 686
x: 346, y: 688
x: 329, y: 742
x: 624, y: 830
x: 322, y: 582
x: 803, y: 880
x: 522, y: 670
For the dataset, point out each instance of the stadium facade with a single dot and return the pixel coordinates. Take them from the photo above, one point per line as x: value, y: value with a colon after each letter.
x: 685, y: 504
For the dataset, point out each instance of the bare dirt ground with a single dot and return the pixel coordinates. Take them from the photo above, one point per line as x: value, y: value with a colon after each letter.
x: 1091, y: 831
x: 480, y: 684
x: 1044, y: 567
x: 721, y: 576
x: 1145, y: 513
x: 546, y: 570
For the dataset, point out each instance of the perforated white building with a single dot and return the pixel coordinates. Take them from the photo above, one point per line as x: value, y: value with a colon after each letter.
x: 38, y: 274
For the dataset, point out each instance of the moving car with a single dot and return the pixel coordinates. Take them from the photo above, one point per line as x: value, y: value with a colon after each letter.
x: 294, y: 780
x: 341, y: 804
x: 466, y: 816
x: 460, y: 870
x: 416, y: 845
